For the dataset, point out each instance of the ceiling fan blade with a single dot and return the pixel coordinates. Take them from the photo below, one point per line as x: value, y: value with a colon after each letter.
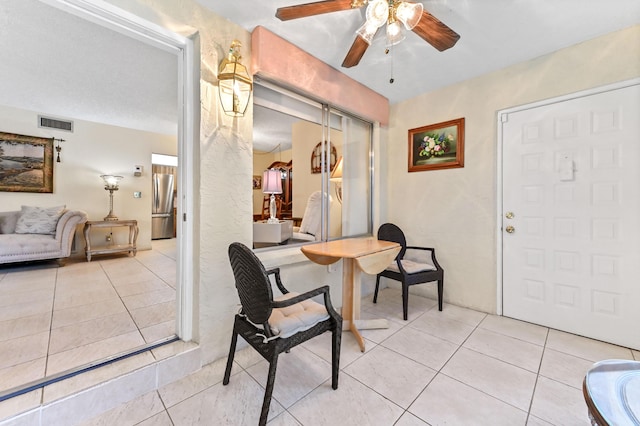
x: 311, y: 9
x: 435, y: 32
x: 356, y: 52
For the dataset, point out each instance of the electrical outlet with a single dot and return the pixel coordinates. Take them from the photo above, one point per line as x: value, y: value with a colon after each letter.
x: 109, y: 237
x: 137, y: 194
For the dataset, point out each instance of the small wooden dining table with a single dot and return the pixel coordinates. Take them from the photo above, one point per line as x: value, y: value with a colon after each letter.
x: 367, y: 255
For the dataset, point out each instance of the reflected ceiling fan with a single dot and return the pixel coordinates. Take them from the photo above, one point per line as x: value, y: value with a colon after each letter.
x: 395, y: 13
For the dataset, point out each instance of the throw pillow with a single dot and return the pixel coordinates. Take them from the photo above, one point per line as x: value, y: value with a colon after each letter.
x: 38, y: 220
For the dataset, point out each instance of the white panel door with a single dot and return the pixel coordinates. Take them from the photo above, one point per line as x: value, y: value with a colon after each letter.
x: 571, y: 197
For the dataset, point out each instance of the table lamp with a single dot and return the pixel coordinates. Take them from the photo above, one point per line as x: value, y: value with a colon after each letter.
x: 272, y: 184
x: 111, y: 184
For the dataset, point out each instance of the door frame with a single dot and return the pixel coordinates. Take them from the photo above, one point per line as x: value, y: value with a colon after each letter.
x: 187, y: 51
x: 502, y: 116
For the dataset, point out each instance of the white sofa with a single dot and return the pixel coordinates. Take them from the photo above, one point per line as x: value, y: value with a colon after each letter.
x: 32, y: 246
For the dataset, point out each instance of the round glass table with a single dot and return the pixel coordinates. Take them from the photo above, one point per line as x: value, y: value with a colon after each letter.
x: 611, y: 390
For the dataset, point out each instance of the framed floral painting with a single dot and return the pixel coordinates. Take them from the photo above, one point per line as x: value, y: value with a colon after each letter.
x: 437, y: 146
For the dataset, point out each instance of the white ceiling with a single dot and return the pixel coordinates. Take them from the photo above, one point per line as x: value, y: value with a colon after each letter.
x: 59, y: 64
x: 493, y: 34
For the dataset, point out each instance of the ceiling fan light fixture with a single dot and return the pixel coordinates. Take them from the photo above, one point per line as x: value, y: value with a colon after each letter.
x: 409, y: 14
x: 367, y: 31
x: 377, y: 12
x: 395, y: 33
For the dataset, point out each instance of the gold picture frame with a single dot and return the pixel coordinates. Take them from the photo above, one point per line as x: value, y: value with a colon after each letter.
x: 437, y: 146
x: 26, y: 163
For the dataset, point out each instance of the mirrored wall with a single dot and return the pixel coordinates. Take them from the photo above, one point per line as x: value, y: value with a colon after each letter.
x: 323, y: 159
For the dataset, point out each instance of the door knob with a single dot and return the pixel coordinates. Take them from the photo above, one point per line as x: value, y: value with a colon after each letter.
x: 510, y: 229
x: 509, y: 215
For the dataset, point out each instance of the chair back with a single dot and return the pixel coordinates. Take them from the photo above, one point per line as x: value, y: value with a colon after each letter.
x: 390, y: 232
x: 312, y: 217
x: 252, y: 283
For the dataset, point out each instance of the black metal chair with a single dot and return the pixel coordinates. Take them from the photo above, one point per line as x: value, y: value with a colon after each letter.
x: 409, y: 272
x: 275, y: 326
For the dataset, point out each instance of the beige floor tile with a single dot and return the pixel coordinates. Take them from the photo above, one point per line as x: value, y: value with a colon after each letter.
x: 421, y: 347
x: 27, y: 297
x: 564, y: 368
x: 436, y: 324
x: 22, y: 310
x: 91, y: 311
x: 534, y: 421
x: 173, y: 348
x: 20, y: 374
x: 409, y: 419
x: 247, y: 356
x: 528, y: 332
x: 10, y: 286
x: 138, y: 287
x: 503, y: 381
x: 84, y: 333
x: 636, y: 355
x: 582, y: 347
x: 24, y: 326
x: 81, y: 355
x: 284, y: 419
x: 159, y: 331
x: 448, y: 402
x: 20, y: 404
x: 238, y: 403
x: 130, y: 413
x: 514, y: 351
x: 390, y: 306
x: 94, y: 377
x: 23, y: 349
x: 140, y: 274
x: 378, y: 335
x: 207, y: 376
x: 72, y: 299
x: 392, y: 375
x: 143, y: 300
x: 160, y: 419
x: 351, y: 404
x: 154, y: 314
x: 297, y: 374
x: 349, y: 348
x: 558, y: 403
x: 465, y: 315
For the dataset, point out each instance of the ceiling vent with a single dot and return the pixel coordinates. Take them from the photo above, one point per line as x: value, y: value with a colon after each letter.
x: 54, y: 123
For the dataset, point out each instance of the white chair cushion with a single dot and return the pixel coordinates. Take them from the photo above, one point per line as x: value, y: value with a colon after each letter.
x: 286, y: 322
x: 411, y: 266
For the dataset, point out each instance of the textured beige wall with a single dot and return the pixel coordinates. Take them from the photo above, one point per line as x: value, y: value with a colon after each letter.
x: 455, y: 210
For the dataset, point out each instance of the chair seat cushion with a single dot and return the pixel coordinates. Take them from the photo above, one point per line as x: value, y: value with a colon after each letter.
x: 411, y: 266
x: 286, y: 322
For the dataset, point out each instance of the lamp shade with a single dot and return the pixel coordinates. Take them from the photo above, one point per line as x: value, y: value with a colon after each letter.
x: 272, y: 182
x: 234, y: 83
x: 111, y: 182
x: 395, y: 33
x: 409, y: 14
x: 336, y: 174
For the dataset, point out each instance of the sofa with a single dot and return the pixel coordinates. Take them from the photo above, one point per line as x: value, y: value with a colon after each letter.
x: 34, y: 233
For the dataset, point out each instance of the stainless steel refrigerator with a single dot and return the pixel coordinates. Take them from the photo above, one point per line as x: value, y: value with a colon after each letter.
x: 162, y: 208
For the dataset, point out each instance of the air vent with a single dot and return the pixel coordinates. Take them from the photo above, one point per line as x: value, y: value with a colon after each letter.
x: 54, y: 123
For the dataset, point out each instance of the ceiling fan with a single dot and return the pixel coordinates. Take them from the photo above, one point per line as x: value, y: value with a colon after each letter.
x: 394, y: 13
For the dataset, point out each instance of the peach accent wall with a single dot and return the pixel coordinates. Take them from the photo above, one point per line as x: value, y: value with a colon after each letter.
x: 304, y: 72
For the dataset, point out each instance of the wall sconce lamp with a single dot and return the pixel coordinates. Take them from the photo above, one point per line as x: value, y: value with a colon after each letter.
x: 234, y: 83
x: 272, y: 184
x: 336, y: 176
x: 111, y: 184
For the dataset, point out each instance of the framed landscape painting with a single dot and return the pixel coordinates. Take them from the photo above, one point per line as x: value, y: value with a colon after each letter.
x: 26, y: 163
x: 437, y: 146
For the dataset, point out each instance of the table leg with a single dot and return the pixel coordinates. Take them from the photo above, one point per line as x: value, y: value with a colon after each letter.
x: 351, y: 298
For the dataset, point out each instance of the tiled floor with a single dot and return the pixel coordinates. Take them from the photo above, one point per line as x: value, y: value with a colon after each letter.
x: 53, y: 319
x: 455, y: 367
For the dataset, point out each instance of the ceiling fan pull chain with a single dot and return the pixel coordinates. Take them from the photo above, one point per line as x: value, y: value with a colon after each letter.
x: 387, y: 50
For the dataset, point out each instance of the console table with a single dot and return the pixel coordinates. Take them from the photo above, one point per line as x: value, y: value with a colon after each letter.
x: 111, y: 248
